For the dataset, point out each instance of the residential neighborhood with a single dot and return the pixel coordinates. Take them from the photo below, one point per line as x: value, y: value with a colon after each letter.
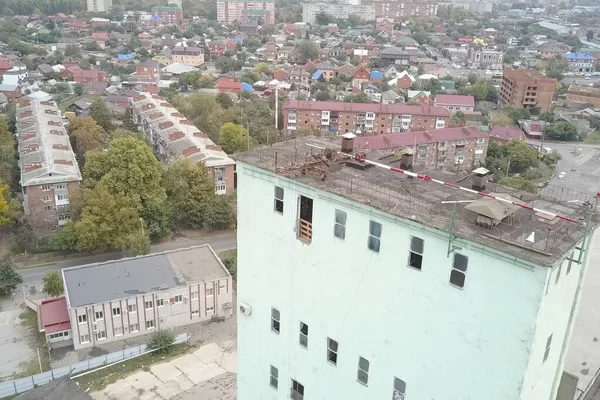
x: 244, y: 199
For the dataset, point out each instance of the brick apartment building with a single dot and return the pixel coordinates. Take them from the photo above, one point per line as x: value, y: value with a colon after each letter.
x: 231, y: 11
x: 193, y: 56
x: 169, y: 15
x: 361, y: 117
x: 398, y: 9
x: 584, y: 94
x: 448, y: 149
x: 524, y: 88
x: 131, y: 297
x: 172, y: 135
x: 49, y: 170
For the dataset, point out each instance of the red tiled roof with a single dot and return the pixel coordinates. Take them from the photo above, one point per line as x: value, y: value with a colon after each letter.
x: 55, y: 315
x: 408, y: 139
x: 225, y: 84
x: 100, y: 36
x: 378, y: 108
x: 454, y: 100
x: 502, y: 133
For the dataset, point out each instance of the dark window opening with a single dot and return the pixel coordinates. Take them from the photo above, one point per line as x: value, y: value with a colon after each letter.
x: 278, y: 200
x: 305, y: 223
x: 459, y: 270
x: 415, y: 258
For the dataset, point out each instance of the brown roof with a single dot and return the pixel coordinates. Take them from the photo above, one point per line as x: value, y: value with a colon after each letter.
x: 406, y: 139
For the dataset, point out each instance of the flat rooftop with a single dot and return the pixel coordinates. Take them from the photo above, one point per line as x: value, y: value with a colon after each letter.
x: 127, y: 277
x: 429, y: 203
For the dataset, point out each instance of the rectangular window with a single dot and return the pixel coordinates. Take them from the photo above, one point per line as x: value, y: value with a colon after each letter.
x: 116, y: 311
x: 134, y: 328
x: 82, y: 319
x: 363, y: 371
x: 49, y: 208
x: 547, y: 351
x: 332, y: 351
x: 194, y: 295
x: 374, y: 236
x: 46, y: 187
x: 99, y: 315
x: 275, y: 318
x: 62, y: 197
x: 210, y: 309
x: 160, y: 302
x: 60, y: 186
x: 195, y: 312
x: 459, y: 270
x: 148, y: 305
x: 178, y: 298
x: 278, y: 199
x: 274, y: 381
x: 132, y: 308
x: 46, y: 198
x: 297, y: 391
x: 305, y: 214
x: 339, y: 228
x: 303, y: 335
x: 118, y: 331
x: 84, y: 339
x: 101, y: 335
x: 209, y: 292
x: 399, y: 388
x: 415, y: 256
x: 150, y: 324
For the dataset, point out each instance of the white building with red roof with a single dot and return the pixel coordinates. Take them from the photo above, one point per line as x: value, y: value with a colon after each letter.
x: 455, y: 102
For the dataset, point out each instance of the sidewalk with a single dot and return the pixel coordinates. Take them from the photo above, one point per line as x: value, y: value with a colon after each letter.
x: 208, y: 374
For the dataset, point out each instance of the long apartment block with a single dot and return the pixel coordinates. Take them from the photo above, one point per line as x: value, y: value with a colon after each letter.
x: 172, y: 135
x: 122, y: 299
x: 49, y: 169
x: 340, y: 118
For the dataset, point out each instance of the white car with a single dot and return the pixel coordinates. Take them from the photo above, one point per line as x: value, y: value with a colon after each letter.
x: 561, y: 175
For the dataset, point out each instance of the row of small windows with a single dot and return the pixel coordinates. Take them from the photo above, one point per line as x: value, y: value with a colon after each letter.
x: 417, y: 245
x: 297, y: 389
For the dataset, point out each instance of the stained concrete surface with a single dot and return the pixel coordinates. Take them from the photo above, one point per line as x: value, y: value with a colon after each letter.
x: 15, y: 344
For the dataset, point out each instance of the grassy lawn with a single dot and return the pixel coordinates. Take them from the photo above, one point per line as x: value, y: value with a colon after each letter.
x: 29, y: 321
x: 98, y: 380
x: 64, y: 105
x: 594, y: 138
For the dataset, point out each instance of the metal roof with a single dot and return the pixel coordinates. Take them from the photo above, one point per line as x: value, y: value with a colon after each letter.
x: 128, y: 277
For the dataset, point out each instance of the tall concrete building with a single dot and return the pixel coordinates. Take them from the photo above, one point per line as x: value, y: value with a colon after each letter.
x: 371, y: 284
x: 232, y: 11
x: 337, y: 11
x: 99, y: 5
x: 397, y: 9
x: 49, y: 170
x: 524, y: 88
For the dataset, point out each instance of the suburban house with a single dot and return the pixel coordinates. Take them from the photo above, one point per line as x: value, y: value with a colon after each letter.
x: 80, y: 75
x: 122, y: 299
x: 455, y: 102
x: 172, y: 135
x: 11, y: 92
x: 193, y: 56
x: 229, y: 86
x: 503, y: 134
x: 101, y: 38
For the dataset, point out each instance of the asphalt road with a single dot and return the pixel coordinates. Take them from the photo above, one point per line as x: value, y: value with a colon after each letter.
x: 218, y: 243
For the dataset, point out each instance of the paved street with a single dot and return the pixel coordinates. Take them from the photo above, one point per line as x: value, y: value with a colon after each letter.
x: 218, y: 243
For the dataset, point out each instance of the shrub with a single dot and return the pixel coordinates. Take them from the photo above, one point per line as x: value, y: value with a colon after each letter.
x: 161, y: 341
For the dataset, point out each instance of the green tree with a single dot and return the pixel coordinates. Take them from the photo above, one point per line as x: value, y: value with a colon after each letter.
x: 162, y: 341
x: 354, y: 19
x: 307, y: 50
x: 517, y: 114
x: 224, y: 100
x: 78, y: 90
x: 53, y: 284
x: 129, y: 168
x: 262, y: 68
x: 190, y: 192
x: 561, y: 131
x: 547, y: 116
x: 139, y: 244
x: 227, y: 64
x: 9, y: 278
x: 361, y: 97
x: 233, y: 138
x: 220, y: 213
x: 190, y: 79
x: 522, y: 156
x: 458, y: 119
x: 101, y: 114
x: 8, y: 160
x: 10, y: 209
x: 86, y: 135
x: 323, y: 19
x: 73, y: 50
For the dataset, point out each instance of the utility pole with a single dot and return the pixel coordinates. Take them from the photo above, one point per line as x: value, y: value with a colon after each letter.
x: 508, y: 166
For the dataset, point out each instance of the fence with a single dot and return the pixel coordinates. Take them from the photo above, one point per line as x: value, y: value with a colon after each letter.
x: 17, y: 386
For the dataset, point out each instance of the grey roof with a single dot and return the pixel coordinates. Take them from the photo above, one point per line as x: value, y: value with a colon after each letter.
x: 8, y: 88
x: 492, y: 208
x: 127, y: 277
x: 39, y: 147
x: 393, y: 51
x: 84, y: 105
